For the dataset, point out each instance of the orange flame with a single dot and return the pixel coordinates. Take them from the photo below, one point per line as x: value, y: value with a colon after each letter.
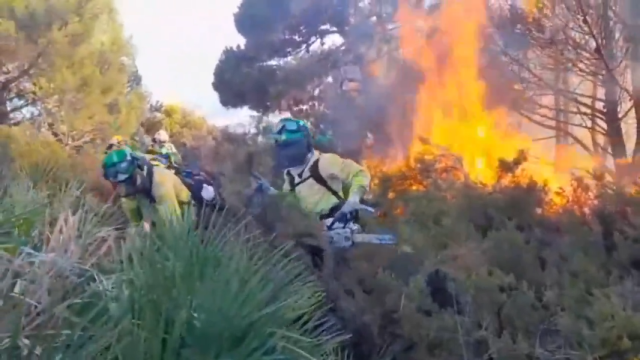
x: 531, y: 6
x: 450, y: 108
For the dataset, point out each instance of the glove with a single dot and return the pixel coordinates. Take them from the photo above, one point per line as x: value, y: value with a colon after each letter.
x: 345, y: 215
x: 146, y: 225
x: 262, y: 185
x: 352, y: 204
x: 208, y: 192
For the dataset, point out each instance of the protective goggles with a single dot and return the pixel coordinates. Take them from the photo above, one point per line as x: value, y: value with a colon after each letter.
x: 287, y: 125
x: 119, y: 172
x: 289, y: 130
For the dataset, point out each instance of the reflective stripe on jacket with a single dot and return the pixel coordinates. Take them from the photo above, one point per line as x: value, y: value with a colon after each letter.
x: 340, y: 174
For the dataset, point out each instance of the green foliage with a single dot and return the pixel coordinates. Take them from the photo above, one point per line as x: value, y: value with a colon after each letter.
x: 256, y: 18
x: 42, y: 159
x: 174, y: 293
x: 86, y: 80
x: 282, y: 28
x: 242, y: 80
x: 268, y: 304
x: 183, y: 125
x: 21, y: 210
x: 260, y: 73
x: 71, y: 61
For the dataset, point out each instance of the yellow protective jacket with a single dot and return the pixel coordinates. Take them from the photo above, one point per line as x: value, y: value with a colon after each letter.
x: 342, y: 175
x: 170, y: 194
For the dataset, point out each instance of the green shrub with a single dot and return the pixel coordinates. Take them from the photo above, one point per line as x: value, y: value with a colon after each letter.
x: 42, y: 160
x: 231, y: 299
x: 64, y: 243
x: 86, y: 293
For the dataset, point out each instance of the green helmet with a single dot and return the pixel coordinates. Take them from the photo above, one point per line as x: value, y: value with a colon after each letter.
x: 291, y: 130
x: 118, y: 165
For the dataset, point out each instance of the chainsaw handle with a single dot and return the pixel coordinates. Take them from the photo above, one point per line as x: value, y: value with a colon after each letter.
x: 340, y: 216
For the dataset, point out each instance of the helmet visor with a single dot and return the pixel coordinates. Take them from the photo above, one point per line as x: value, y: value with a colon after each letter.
x: 287, y: 124
x: 286, y: 139
x: 290, y: 131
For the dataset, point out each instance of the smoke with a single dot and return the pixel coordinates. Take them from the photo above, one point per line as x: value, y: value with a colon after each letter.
x: 386, y: 103
x: 383, y: 108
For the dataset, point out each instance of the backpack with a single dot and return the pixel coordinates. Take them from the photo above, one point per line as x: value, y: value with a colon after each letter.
x: 192, y: 180
x: 195, y: 181
x: 315, y: 175
x: 145, y: 175
x: 146, y: 168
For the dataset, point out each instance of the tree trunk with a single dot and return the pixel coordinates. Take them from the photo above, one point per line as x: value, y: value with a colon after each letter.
x: 633, y: 36
x: 559, y: 81
x: 593, y: 126
x: 611, y: 91
x: 5, y: 117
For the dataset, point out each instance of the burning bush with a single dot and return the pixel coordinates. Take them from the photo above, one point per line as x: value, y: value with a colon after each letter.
x: 514, y: 270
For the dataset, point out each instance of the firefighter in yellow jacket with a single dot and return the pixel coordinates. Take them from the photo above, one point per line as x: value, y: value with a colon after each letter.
x: 325, y: 184
x: 149, y: 193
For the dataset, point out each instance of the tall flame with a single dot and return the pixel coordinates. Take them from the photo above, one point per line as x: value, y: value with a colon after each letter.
x: 450, y: 108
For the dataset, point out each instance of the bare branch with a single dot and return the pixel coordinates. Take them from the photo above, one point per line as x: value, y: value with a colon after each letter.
x: 569, y: 134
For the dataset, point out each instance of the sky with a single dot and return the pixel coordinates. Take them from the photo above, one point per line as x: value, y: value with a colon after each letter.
x: 178, y: 43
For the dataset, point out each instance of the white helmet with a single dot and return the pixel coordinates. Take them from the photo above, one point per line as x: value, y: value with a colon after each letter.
x: 161, y: 136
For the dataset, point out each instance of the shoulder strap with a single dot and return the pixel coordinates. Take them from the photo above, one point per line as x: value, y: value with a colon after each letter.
x: 314, y: 172
x: 146, y: 169
x: 315, y: 175
x: 291, y: 181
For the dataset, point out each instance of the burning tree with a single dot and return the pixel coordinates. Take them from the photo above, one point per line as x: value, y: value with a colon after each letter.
x: 574, y: 74
x: 421, y: 75
x: 450, y: 107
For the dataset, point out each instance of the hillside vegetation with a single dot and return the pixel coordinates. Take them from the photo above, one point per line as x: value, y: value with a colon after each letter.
x: 481, y: 271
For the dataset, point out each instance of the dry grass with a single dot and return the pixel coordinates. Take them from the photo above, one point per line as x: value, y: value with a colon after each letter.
x: 39, y: 287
